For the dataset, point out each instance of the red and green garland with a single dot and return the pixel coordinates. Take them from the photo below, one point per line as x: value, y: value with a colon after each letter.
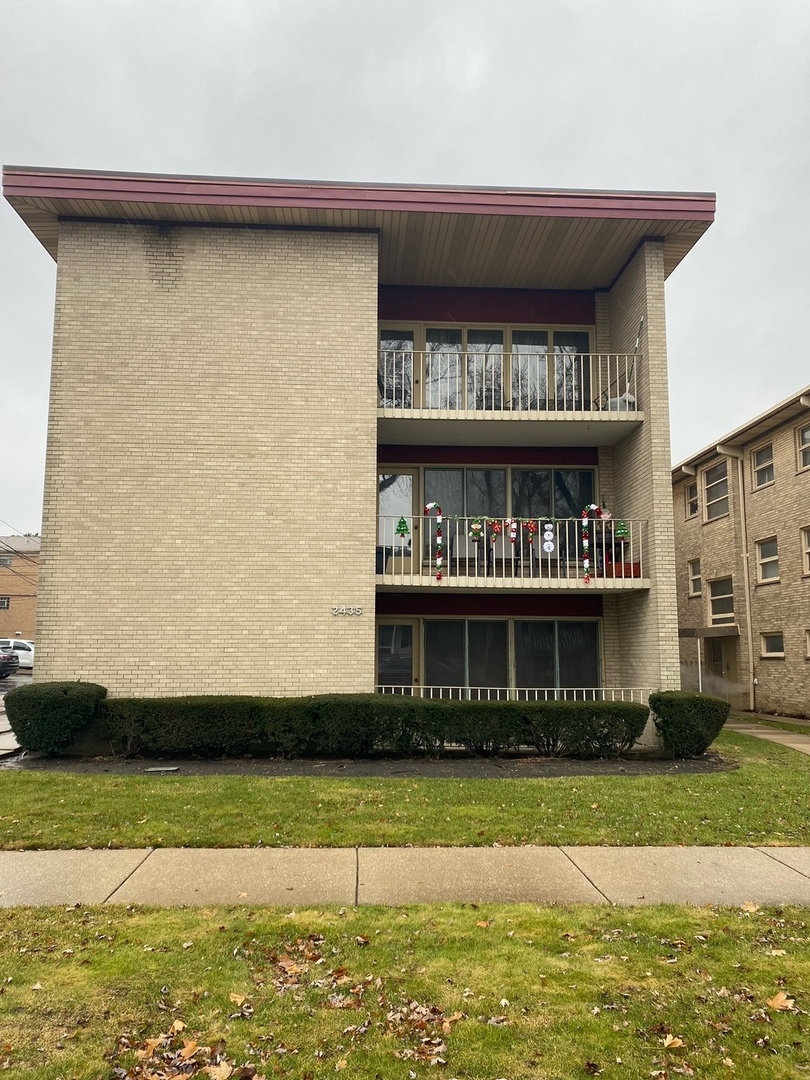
x: 592, y: 510
x: 439, y: 537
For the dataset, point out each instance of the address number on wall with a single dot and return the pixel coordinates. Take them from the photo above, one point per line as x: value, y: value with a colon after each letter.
x: 347, y: 611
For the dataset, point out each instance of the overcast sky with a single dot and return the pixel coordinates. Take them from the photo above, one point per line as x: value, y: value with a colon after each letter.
x: 683, y: 95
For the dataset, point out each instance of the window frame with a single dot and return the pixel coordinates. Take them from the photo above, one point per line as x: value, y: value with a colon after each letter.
x: 805, y: 541
x: 694, y: 577
x: 803, y: 448
x: 5, y: 603
x: 708, y: 503
x: 767, y: 560
x: 722, y: 618
x: 5, y: 560
x: 771, y: 654
x: 689, y: 500
x: 756, y: 483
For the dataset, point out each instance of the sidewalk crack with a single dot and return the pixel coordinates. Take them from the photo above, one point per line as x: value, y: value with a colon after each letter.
x: 767, y: 851
x: 581, y: 871
x: 149, y: 851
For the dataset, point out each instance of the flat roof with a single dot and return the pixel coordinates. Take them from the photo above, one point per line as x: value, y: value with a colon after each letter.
x: 429, y: 234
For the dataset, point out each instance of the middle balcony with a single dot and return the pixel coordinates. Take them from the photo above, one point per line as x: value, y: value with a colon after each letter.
x: 509, y: 553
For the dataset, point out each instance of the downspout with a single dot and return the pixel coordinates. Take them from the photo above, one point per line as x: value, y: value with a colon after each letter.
x: 735, y: 452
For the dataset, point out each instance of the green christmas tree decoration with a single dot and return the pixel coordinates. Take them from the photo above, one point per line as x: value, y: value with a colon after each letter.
x: 621, y: 532
x: 402, y: 527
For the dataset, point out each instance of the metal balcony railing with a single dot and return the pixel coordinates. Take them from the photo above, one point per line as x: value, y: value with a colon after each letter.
x: 502, y: 693
x: 517, y: 382
x: 512, y: 552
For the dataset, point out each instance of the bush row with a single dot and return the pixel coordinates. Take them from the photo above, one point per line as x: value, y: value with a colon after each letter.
x: 48, y: 717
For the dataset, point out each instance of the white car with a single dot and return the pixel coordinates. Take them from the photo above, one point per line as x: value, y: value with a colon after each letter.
x: 23, y: 649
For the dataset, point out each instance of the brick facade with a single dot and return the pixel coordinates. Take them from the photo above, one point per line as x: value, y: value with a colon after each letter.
x: 19, y: 574
x: 198, y: 461
x: 780, y: 604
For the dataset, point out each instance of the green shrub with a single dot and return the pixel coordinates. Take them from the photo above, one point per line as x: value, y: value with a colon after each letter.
x: 689, y: 723
x: 47, y: 717
x: 600, y: 729
x: 204, y: 725
x: 485, y: 728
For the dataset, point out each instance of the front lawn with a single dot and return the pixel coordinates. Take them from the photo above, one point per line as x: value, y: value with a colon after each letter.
x: 465, y: 992
x: 765, y: 801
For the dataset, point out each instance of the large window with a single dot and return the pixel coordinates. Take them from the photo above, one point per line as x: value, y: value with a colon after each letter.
x: 485, y: 368
x: 803, y: 447
x: 715, y: 489
x: 768, y: 560
x: 522, y: 493
x: 690, y: 498
x: 695, y: 581
x: 762, y: 466
x: 721, y: 601
x: 488, y: 658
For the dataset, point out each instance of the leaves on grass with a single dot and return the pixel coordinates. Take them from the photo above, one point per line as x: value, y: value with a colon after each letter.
x: 781, y: 1003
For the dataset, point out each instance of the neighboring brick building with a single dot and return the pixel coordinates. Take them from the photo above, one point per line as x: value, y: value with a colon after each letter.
x: 19, y: 571
x: 258, y: 386
x: 742, y: 549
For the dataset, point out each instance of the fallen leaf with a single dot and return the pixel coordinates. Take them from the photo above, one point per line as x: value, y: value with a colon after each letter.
x: 37, y: 986
x: 781, y: 1002
x: 777, y: 952
x: 178, y: 1025
x: 728, y: 1063
x: 187, y: 944
x: 237, y: 999
x: 672, y: 1042
x: 221, y: 1071
x: 190, y: 1048
x: 361, y: 941
x: 748, y: 906
x: 483, y: 924
x: 339, y: 1065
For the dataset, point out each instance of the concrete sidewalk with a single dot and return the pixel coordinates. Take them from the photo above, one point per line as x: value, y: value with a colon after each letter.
x: 296, y: 877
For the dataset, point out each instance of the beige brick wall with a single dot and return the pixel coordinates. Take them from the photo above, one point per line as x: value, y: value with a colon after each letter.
x: 647, y: 621
x: 781, y: 509
x: 210, y: 480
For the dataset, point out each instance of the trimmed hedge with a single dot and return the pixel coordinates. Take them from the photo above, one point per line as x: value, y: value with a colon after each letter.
x: 689, y: 723
x: 327, y: 725
x: 47, y: 717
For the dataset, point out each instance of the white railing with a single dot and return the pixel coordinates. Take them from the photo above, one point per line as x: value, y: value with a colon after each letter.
x: 515, y: 552
x: 638, y: 694
x: 518, y: 382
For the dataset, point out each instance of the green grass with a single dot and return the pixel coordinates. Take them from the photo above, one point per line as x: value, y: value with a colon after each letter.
x: 518, y: 992
x: 765, y: 801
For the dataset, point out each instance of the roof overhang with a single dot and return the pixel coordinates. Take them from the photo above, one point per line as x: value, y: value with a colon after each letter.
x: 731, y: 444
x: 438, y: 236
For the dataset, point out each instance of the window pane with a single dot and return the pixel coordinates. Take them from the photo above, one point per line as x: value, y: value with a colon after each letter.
x: 773, y: 643
x: 531, y: 493
x: 804, y: 448
x: 396, y: 369
x: 578, y: 646
x: 529, y: 369
x: 395, y: 656
x: 443, y: 369
x: 484, y: 369
x: 486, y: 492
x: 446, y: 487
x: 534, y: 655
x: 444, y: 653
x: 488, y: 662
x: 573, y: 490
x: 572, y: 371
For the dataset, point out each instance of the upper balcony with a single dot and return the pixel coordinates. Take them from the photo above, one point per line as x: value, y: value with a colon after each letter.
x: 441, y: 397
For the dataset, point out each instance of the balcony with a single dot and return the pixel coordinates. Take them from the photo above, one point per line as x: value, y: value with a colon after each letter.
x: 443, y: 397
x: 511, y: 554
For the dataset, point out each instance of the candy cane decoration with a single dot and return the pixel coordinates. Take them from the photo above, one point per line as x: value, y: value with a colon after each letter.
x: 439, y: 537
x: 591, y: 510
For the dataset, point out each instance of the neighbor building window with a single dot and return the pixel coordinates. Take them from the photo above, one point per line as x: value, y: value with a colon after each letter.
x: 715, y: 489
x: 5, y: 560
x: 5, y: 603
x: 806, y: 550
x: 803, y: 435
x: 762, y: 466
x: 695, y: 583
x: 807, y: 644
x: 690, y: 495
x: 721, y: 600
x: 768, y: 560
x: 772, y: 644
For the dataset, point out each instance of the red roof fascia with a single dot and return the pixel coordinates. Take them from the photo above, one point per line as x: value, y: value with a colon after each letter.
x: 102, y: 187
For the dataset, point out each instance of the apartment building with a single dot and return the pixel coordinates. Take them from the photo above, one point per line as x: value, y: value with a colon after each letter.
x: 742, y: 548
x: 329, y: 437
x: 19, y: 573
